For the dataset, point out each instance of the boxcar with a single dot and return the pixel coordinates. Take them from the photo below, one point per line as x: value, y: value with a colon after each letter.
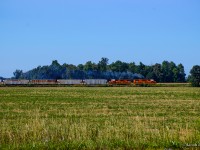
x: 95, y: 81
x: 43, y: 82
x: 15, y: 82
x: 70, y: 81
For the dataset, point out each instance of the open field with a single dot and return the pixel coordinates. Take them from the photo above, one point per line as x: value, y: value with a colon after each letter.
x: 99, y: 117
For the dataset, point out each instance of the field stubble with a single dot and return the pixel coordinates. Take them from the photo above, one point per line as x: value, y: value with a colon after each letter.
x: 99, y: 118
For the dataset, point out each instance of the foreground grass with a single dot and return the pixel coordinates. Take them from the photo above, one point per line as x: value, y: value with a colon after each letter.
x: 99, y: 117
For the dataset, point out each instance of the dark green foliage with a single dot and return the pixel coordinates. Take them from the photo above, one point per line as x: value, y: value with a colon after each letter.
x: 195, y: 76
x: 18, y: 74
x: 1, y: 78
x: 103, y: 64
x: 165, y: 72
x: 118, y: 66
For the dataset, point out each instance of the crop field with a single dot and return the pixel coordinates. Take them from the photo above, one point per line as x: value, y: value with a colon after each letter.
x: 99, y: 117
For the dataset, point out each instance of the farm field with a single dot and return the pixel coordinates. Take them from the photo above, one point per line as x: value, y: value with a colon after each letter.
x: 99, y: 117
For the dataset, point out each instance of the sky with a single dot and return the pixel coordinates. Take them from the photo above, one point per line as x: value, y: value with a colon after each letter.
x: 35, y: 32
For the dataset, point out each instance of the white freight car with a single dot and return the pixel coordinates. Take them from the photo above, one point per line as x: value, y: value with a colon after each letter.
x: 95, y: 81
x: 43, y: 82
x: 70, y: 81
x: 16, y: 82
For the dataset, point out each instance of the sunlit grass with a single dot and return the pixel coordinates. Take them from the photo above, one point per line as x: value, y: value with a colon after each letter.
x: 99, y: 118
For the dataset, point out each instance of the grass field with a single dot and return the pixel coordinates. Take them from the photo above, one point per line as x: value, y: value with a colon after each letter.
x: 99, y: 117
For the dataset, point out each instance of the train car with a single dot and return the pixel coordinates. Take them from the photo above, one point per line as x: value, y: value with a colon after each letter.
x: 1, y: 82
x: 144, y: 81
x: 119, y: 82
x: 70, y: 81
x: 95, y: 81
x: 45, y: 82
x: 16, y: 82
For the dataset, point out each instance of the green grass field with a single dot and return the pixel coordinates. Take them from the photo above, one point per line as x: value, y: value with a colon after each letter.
x: 99, y: 117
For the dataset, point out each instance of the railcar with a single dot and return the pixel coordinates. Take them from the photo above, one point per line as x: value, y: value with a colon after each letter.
x: 70, y: 81
x: 95, y: 81
x: 43, y: 82
x: 15, y: 82
x: 1, y: 82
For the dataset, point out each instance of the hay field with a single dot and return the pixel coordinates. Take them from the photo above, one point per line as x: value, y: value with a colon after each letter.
x: 99, y: 117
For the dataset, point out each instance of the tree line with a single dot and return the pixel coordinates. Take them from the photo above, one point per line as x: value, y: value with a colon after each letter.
x: 164, y: 72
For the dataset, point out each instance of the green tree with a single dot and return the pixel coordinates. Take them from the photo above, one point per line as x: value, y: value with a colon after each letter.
x: 157, y: 70
x: 102, y: 65
x: 54, y: 70
x: 181, y: 75
x: 70, y: 70
x: 18, y: 74
x: 175, y: 74
x: 195, y: 76
x: 80, y: 67
x: 141, y: 69
x: 167, y: 69
x: 119, y: 66
x: 151, y: 75
x: 132, y: 67
x: 89, y: 66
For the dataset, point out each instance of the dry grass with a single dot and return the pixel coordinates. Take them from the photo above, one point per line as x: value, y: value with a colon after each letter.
x: 99, y: 118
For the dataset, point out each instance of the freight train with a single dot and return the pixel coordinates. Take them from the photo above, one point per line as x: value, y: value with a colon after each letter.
x: 79, y: 82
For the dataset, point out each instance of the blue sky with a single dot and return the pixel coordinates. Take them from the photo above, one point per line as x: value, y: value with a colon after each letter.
x: 35, y: 32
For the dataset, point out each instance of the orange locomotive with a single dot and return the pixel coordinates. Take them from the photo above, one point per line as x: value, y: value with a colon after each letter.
x: 135, y: 82
x: 144, y: 81
x: 119, y: 82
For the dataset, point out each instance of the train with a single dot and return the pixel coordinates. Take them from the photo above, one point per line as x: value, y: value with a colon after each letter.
x: 135, y: 82
x: 111, y: 82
